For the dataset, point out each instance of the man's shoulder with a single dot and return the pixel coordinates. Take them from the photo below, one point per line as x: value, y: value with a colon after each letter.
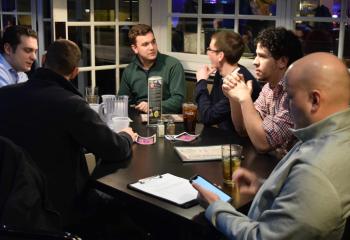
x: 168, y: 60
x: 132, y: 64
x: 130, y: 69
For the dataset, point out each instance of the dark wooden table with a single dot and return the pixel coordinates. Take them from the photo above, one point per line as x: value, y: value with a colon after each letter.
x: 160, y: 158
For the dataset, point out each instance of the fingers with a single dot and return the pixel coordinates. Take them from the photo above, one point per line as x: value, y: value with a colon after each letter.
x: 211, y: 69
x: 250, y: 85
x: 209, y: 196
x: 232, y: 80
x: 131, y: 133
x: 142, y: 106
x: 197, y: 187
x: 247, y: 181
x: 203, y: 72
x: 243, y: 175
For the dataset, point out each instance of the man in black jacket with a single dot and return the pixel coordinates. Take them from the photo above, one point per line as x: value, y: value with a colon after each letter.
x: 48, y: 117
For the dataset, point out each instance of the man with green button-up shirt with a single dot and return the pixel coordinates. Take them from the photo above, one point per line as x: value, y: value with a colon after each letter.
x: 149, y: 62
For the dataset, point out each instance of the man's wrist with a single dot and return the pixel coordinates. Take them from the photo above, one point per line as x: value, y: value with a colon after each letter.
x: 244, y: 99
x: 200, y: 79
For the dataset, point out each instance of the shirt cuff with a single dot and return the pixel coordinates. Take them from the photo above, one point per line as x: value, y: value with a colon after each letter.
x: 127, y: 136
x: 215, y: 209
x: 202, y: 83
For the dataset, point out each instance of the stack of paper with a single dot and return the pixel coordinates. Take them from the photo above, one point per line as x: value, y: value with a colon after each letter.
x: 168, y: 187
x: 203, y: 153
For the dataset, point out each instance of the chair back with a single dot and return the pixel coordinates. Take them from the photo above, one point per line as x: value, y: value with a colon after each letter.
x: 24, y: 200
x: 11, y: 233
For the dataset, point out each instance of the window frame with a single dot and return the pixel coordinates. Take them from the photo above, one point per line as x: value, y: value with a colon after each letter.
x: 285, y: 17
x: 62, y: 16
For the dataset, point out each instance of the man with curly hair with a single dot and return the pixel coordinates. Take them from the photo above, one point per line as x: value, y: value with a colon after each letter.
x: 266, y: 121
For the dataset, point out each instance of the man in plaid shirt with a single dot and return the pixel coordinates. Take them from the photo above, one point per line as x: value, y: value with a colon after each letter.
x: 267, y: 120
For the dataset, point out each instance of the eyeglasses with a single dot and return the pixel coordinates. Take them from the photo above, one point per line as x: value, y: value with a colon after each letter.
x: 212, y: 50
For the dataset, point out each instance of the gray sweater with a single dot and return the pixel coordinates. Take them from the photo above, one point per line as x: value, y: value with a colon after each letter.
x: 307, y: 196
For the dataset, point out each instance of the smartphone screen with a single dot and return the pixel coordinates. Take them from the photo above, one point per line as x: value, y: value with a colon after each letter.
x: 211, y: 187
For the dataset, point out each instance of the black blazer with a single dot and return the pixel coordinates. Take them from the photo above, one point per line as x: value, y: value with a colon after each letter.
x: 48, y: 117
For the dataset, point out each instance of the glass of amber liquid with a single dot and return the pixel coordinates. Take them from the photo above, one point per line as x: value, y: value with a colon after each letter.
x: 231, y: 160
x: 91, y: 95
x: 189, y: 113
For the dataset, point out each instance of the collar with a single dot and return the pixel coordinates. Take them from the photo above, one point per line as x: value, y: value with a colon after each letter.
x: 137, y: 61
x: 45, y: 75
x: 328, y: 125
x: 6, y: 63
x: 280, y: 87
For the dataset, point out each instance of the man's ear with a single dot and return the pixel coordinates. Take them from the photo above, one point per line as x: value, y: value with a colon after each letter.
x: 221, y: 56
x: 74, y: 73
x: 315, y: 100
x: 8, y: 49
x: 134, y: 49
x: 282, y: 62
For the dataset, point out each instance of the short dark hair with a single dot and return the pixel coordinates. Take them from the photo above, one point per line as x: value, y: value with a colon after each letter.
x: 13, y: 34
x: 281, y: 43
x: 138, y: 30
x: 231, y: 44
x: 62, y: 56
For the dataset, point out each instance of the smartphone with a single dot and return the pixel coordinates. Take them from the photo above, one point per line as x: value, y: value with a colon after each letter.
x: 201, y: 181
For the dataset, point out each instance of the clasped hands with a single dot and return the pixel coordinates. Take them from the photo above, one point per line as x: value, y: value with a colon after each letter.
x: 236, y: 88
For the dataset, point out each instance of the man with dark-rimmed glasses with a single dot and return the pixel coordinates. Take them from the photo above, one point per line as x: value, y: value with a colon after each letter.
x: 224, y: 52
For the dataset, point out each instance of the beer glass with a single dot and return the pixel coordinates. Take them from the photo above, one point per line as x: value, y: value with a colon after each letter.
x: 189, y: 112
x: 231, y: 160
x: 91, y: 94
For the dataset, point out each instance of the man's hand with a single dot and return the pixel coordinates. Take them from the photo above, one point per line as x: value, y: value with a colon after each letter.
x: 235, y: 88
x: 131, y: 133
x: 205, y: 197
x: 204, y: 72
x: 247, y: 181
x: 142, y: 106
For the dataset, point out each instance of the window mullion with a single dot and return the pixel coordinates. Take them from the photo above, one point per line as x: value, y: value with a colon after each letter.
x: 92, y: 43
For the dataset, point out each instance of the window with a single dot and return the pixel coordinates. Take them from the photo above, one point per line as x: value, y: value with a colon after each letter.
x: 321, y: 25
x: 16, y: 12
x: 193, y: 22
x: 100, y: 28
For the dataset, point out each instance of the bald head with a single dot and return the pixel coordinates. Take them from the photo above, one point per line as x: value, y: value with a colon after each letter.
x: 325, y: 82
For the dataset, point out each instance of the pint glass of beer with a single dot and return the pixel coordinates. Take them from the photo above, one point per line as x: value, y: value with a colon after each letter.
x: 189, y: 112
x: 91, y: 95
x: 231, y: 160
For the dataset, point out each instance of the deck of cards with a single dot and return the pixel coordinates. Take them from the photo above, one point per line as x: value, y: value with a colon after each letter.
x: 146, y: 140
x: 184, y: 137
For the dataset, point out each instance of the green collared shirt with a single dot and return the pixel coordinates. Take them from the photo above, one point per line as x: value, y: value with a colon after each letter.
x: 134, y: 82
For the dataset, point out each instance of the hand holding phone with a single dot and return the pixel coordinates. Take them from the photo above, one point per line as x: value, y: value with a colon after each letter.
x: 204, y: 183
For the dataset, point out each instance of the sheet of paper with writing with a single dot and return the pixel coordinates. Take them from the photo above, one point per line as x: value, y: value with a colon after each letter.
x: 196, y: 154
x: 168, y: 187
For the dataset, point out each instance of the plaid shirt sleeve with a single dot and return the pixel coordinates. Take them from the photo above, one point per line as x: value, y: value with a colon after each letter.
x: 260, y: 102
